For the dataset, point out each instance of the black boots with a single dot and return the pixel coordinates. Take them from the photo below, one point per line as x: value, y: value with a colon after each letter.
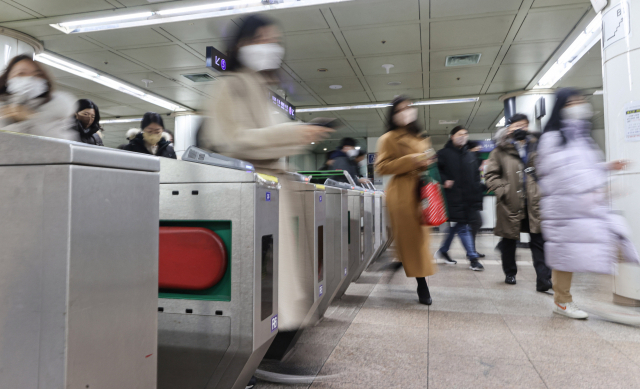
x: 423, y: 291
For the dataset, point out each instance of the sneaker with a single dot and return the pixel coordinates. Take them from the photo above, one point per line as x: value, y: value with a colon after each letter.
x: 511, y: 280
x: 476, y: 266
x: 570, y: 310
x: 480, y: 255
x: 445, y: 256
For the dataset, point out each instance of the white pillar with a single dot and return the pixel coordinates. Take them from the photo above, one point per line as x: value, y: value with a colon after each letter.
x: 621, y: 71
x: 14, y: 43
x: 186, y: 130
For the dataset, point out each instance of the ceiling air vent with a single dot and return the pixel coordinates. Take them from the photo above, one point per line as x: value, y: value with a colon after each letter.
x: 200, y: 77
x: 462, y: 60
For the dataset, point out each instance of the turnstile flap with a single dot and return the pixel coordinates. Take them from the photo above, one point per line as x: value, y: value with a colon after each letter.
x: 194, y: 154
x: 337, y: 184
x: 25, y: 149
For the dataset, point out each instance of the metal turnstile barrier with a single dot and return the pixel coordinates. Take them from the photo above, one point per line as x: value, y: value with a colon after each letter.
x: 214, y: 331
x: 79, y: 238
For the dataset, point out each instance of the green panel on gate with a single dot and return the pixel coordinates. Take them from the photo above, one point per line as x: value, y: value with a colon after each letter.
x: 220, y: 291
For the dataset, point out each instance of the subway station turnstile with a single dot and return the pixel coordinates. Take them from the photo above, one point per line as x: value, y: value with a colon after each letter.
x: 79, y: 249
x: 214, y: 336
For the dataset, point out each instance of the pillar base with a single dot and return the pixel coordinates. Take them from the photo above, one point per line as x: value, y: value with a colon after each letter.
x: 625, y: 301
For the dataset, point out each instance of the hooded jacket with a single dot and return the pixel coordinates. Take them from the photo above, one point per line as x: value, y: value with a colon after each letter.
x: 164, y: 148
x: 505, y: 175
x: 460, y: 166
x: 581, y: 232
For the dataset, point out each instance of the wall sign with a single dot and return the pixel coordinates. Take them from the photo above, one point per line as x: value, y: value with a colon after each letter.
x: 281, y: 103
x: 632, y: 121
x: 371, y: 158
x: 616, y: 24
x: 487, y: 146
x: 216, y: 59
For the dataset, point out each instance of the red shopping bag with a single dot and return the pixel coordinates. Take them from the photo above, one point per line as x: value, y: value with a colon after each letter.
x: 432, y: 202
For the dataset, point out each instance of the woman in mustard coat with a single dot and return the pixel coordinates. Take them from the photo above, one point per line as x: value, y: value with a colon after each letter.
x: 402, y: 153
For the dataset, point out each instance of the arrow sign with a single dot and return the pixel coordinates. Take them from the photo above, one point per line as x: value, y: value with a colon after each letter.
x: 216, y: 59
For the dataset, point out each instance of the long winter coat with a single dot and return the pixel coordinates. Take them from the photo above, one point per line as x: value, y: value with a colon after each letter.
x: 504, y: 175
x: 581, y: 232
x: 396, y: 151
x: 164, y: 148
x: 461, y: 167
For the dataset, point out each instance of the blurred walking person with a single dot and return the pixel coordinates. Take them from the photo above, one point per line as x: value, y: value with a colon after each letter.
x: 461, y: 181
x: 582, y: 233
x: 88, y: 122
x: 476, y: 219
x: 402, y: 153
x: 30, y: 104
x: 510, y: 173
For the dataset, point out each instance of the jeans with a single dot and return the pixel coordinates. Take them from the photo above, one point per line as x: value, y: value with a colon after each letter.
x: 464, y: 232
x: 475, y: 222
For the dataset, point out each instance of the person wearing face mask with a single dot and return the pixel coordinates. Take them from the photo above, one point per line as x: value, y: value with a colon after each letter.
x: 402, y: 152
x: 88, y: 122
x: 150, y: 139
x: 343, y: 158
x: 582, y: 233
x: 511, y: 174
x: 29, y: 104
x: 461, y: 180
x: 361, y: 164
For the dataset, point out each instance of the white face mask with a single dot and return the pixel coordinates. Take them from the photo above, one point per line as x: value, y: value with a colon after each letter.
x: 267, y: 56
x: 577, y: 112
x: 460, y: 141
x: 27, y: 88
x: 406, y: 117
x: 352, y: 153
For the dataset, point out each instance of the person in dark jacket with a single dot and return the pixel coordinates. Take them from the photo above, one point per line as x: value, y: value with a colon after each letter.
x: 88, y: 122
x: 150, y: 140
x: 511, y: 175
x: 476, y: 219
x: 343, y: 156
x: 461, y: 180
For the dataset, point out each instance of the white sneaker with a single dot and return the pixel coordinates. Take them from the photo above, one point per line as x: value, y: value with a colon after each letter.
x: 570, y: 310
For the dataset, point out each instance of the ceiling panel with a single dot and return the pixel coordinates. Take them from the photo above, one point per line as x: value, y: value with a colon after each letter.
x: 164, y: 57
x: 519, y: 72
x: 490, y: 107
x: 363, y: 12
x: 107, y: 62
x: 84, y: 85
x: 470, y: 32
x: 459, y: 77
x: 345, y: 98
x: 455, y: 91
x: 407, y: 80
x: 143, y: 107
x: 487, y: 57
x: 67, y: 7
x: 529, y: 52
x: 102, y: 103
x: 128, y: 37
x: 300, y: 100
x: 552, y: 25
x: 201, y: 47
x: 397, y: 39
x: 402, y: 63
x: 122, y: 110
x: 499, y: 87
x: 445, y: 8
x: 69, y: 44
x: 300, y: 20
x: 215, y: 28
x: 385, y: 96
x: 176, y: 74
x: 41, y: 31
x: 122, y: 98
x: 309, y: 69
x: 10, y: 13
x: 179, y: 94
x: 580, y: 82
x: 136, y: 79
x: 549, y: 3
x: 349, y: 84
x: 307, y: 46
x: 482, y: 122
x: 451, y: 111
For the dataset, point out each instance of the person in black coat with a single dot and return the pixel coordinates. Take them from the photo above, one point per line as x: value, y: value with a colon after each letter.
x: 87, y: 122
x: 459, y: 174
x: 476, y: 219
x: 150, y: 140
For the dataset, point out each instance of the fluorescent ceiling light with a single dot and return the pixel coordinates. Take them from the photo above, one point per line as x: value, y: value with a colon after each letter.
x: 172, y: 15
x: 502, y: 122
x: 116, y: 121
x: 583, y: 43
x: 89, y: 74
x: 385, y: 105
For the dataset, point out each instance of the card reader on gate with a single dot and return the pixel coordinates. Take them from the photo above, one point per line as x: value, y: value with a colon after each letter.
x: 194, y: 154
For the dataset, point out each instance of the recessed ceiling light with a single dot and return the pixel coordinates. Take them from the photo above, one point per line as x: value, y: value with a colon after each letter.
x: 462, y: 60
x: 394, y: 83
x: 322, y: 70
x: 325, y: 149
x: 448, y: 122
x: 335, y: 86
x: 313, y: 143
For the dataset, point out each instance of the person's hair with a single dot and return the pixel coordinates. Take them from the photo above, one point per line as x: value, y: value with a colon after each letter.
x: 347, y: 142
x: 413, y: 128
x: 247, y: 30
x: 88, y: 104
x: 4, y: 78
x: 518, y: 117
x: 555, y: 120
x: 457, y: 129
x: 151, y: 117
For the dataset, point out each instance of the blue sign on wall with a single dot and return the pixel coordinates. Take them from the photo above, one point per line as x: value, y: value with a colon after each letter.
x: 371, y: 158
x: 487, y: 146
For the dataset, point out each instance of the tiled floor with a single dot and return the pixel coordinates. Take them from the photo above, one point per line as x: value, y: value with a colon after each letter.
x: 479, y: 333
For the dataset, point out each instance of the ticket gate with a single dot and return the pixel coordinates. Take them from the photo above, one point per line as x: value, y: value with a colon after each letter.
x: 302, y: 271
x: 213, y: 330
x: 78, y: 287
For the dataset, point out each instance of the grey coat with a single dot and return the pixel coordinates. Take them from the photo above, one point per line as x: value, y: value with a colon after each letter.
x: 581, y: 232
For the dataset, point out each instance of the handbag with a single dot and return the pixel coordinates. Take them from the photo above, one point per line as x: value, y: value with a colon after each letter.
x: 432, y: 200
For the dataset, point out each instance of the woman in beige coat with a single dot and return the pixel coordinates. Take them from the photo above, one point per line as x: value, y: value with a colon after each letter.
x: 401, y: 152
x: 241, y: 124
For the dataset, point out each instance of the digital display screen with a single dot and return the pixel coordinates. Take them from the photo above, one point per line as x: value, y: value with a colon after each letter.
x: 216, y: 59
x: 267, y: 277
x: 282, y: 104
